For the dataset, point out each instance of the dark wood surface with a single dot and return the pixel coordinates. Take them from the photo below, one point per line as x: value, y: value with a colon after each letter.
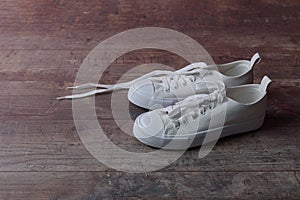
x: 42, y: 45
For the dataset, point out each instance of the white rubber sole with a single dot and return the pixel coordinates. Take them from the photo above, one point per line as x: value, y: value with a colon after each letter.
x: 194, y: 140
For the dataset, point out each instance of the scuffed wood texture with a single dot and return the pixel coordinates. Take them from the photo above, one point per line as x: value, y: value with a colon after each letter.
x: 42, y: 45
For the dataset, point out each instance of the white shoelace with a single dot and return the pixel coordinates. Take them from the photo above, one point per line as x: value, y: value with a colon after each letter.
x: 175, y: 115
x: 185, y: 78
x: 170, y: 78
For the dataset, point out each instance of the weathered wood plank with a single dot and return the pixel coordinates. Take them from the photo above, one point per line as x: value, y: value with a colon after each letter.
x: 114, y: 185
x: 99, y: 15
x: 55, y: 146
x: 61, y: 66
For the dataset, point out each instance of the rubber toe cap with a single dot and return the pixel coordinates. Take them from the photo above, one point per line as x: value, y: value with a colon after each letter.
x: 145, y: 88
x: 150, y: 123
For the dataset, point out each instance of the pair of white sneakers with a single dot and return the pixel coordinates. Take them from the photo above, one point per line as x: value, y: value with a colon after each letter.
x: 194, y: 105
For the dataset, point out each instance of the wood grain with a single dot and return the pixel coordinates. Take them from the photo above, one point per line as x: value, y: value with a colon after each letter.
x: 170, y: 185
x: 42, y: 45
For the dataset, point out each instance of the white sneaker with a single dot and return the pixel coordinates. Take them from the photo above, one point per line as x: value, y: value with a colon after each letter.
x: 163, y: 88
x: 188, y: 122
x: 163, y: 91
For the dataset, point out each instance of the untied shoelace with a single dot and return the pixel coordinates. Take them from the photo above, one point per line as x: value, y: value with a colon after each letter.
x: 193, y: 68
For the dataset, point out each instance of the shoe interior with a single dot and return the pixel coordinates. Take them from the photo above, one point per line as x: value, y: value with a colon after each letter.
x: 247, y: 94
x: 233, y: 69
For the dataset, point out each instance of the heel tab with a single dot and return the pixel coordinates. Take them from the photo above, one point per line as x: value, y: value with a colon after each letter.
x: 255, y: 60
x: 265, y: 83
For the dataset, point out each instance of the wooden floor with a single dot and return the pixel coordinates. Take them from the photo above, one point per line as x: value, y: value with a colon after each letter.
x: 43, y: 44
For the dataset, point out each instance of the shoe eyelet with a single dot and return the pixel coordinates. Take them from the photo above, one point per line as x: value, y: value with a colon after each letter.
x: 202, y: 112
x: 167, y: 90
x: 177, y: 125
